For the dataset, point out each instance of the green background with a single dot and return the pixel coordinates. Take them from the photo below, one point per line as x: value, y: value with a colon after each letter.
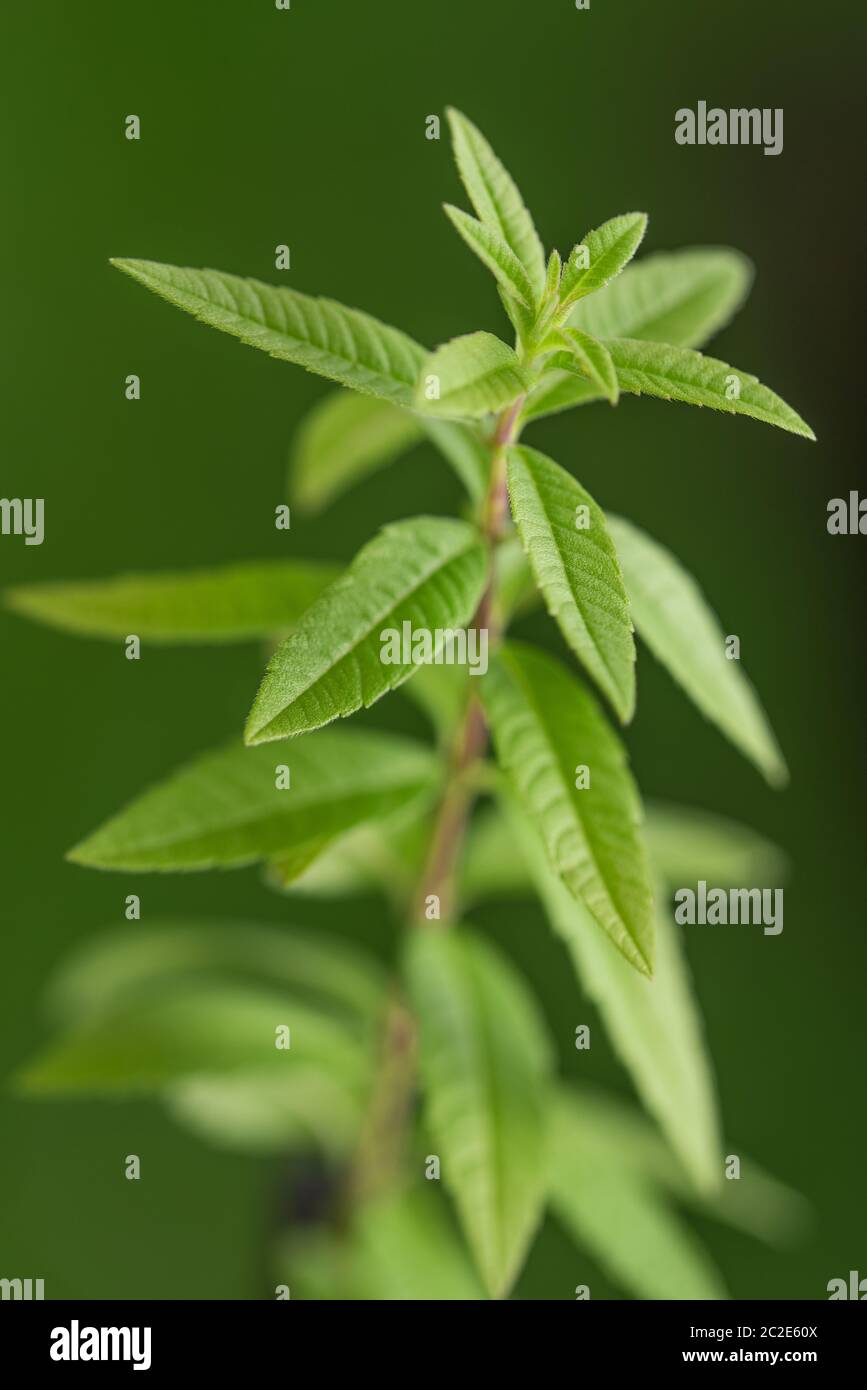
x: 261, y: 127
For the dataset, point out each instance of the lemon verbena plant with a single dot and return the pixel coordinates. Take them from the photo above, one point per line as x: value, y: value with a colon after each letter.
x: 275, y: 1040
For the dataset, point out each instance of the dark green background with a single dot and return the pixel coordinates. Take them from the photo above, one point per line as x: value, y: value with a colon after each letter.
x: 261, y: 127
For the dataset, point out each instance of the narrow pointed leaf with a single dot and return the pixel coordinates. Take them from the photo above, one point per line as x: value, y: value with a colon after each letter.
x: 617, y: 1215
x: 495, y: 253
x: 406, y: 1249
x: 247, y: 1112
x: 593, y: 360
x: 553, y: 274
x: 462, y: 447
x: 576, y: 569
x: 343, y: 439
x: 654, y: 1025
x: 609, y: 249
x: 615, y: 1134
x: 427, y: 571
x: 320, y: 335
x: 116, y: 967
x: 195, y: 1030
x: 471, y: 376
x: 225, y: 808
x: 679, y: 374
x: 495, y: 197
x: 674, y: 619
x: 545, y: 725
x: 485, y: 1062
x: 232, y: 604
x: 687, y: 844
x: 681, y: 298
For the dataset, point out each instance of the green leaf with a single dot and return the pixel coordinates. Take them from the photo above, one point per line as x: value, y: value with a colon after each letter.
x: 617, y: 1215
x: 616, y: 1135
x: 546, y: 725
x: 493, y: 252
x: 491, y: 864
x: 225, y: 808
x: 427, y: 571
x: 681, y: 298
x: 320, y: 335
x: 107, y: 972
x: 675, y: 620
x: 516, y: 592
x: 382, y: 856
x: 462, y: 448
x: 687, y: 844
x: 593, y: 360
x: 495, y: 197
x: 552, y: 275
x: 485, y: 1062
x: 192, y: 1031
x: 343, y: 439
x: 232, y: 604
x: 405, y: 1248
x: 679, y: 374
x: 653, y: 1024
x: 251, y: 1113
x: 607, y: 251
x: 472, y: 376
x: 576, y: 570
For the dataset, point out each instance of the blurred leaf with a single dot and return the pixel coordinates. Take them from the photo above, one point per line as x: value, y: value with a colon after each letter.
x: 485, y: 1062
x: 687, y: 845
x: 516, y: 592
x: 342, y: 344
x: 682, y: 298
x: 193, y: 1031
x: 493, y: 252
x: 251, y: 1113
x: 406, y: 1249
x: 592, y: 360
x: 614, y: 1134
x: 615, y: 1214
x: 231, y: 604
x: 464, y: 450
x: 576, y: 569
x: 491, y: 864
x: 546, y: 724
x: 441, y: 693
x: 654, y: 1025
x: 383, y: 855
x: 475, y: 375
x: 225, y: 808
x: 495, y: 197
x: 609, y: 249
x: 679, y: 374
x: 675, y: 620
x: 343, y: 439
x: 324, y: 969
x: 428, y: 571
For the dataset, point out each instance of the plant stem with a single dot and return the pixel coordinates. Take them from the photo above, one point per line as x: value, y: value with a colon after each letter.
x: 437, y: 878
x: 380, y: 1150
